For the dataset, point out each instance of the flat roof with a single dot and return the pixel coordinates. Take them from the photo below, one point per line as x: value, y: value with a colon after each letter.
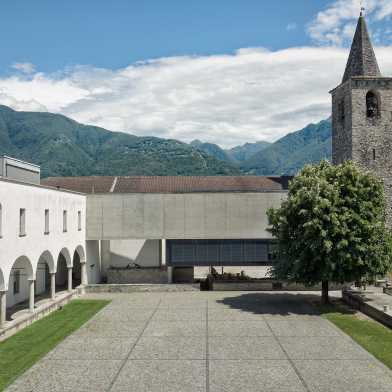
x: 168, y: 184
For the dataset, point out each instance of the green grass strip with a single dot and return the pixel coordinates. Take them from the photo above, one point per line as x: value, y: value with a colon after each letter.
x: 370, y: 334
x: 19, y: 352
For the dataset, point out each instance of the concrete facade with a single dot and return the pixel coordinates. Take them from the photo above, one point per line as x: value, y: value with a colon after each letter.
x: 180, y: 216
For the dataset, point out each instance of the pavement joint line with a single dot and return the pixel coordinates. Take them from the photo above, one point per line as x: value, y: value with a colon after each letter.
x: 207, y: 353
x: 133, y: 346
x: 299, y: 375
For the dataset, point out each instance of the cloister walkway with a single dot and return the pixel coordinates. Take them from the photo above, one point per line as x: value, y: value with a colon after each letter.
x: 207, y: 341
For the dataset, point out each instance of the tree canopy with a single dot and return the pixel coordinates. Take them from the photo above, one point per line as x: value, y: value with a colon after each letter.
x: 332, y: 227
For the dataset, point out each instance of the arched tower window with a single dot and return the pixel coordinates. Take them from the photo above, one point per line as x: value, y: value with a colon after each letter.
x: 372, y: 105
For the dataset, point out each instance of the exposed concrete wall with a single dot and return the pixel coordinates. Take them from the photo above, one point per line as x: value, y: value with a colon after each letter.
x: 181, y: 216
x: 94, y: 262
x: 144, y: 253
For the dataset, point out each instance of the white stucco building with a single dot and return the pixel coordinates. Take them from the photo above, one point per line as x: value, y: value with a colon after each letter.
x: 42, y: 238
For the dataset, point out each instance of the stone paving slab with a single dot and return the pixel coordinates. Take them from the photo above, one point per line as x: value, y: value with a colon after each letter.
x: 207, y: 342
x: 238, y: 328
x: 317, y: 348
x: 303, y: 328
x: 170, y: 347
x: 50, y: 375
x: 111, y: 329
x: 157, y: 376
x: 77, y: 347
x: 254, y: 376
x: 346, y: 375
x: 245, y: 348
x: 159, y: 328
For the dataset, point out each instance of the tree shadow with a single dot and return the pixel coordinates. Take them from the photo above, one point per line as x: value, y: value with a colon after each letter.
x: 283, y: 304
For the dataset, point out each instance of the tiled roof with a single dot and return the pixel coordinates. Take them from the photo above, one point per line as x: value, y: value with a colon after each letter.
x: 171, y: 184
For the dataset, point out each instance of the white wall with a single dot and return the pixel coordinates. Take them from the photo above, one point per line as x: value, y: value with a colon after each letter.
x: 181, y: 216
x: 35, y: 199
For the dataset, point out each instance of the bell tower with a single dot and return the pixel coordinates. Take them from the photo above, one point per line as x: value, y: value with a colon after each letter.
x: 362, y: 113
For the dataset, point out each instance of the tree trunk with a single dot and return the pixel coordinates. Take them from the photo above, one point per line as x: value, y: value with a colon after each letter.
x: 324, y: 292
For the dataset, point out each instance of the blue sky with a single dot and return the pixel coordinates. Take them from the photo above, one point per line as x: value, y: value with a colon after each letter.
x: 224, y: 71
x: 54, y: 34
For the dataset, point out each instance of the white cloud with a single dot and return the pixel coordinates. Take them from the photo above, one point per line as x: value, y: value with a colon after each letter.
x: 26, y: 68
x: 253, y: 94
x: 335, y: 25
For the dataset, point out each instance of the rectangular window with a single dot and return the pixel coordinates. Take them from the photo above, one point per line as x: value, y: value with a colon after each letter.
x: 79, y: 220
x: 64, y: 221
x: 16, y: 282
x: 374, y: 154
x: 46, y: 222
x: 22, y: 222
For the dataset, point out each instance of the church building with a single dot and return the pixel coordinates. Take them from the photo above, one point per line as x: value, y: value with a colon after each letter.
x: 362, y: 113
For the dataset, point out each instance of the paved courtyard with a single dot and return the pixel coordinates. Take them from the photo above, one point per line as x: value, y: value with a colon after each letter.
x: 207, y: 341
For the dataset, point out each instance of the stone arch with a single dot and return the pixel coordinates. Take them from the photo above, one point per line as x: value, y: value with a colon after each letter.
x: 373, y: 104
x: 79, y: 258
x: 64, y: 261
x: 46, y: 266
x: 67, y: 256
x: 18, y: 286
x: 82, y: 254
x: 49, y: 260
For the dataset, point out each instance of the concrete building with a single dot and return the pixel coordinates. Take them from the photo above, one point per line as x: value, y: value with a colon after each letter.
x: 362, y: 113
x: 173, y: 224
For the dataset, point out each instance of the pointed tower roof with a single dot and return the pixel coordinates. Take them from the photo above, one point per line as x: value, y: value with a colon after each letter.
x: 362, y: 60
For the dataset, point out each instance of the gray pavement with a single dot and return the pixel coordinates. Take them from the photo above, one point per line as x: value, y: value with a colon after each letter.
x: 207, y: 342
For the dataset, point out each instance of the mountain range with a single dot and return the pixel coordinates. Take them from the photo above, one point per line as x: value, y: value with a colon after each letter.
x: 284, y: 157
x: 64, y: 147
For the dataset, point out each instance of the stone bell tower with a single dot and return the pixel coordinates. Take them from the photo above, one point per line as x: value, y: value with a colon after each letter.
x: 362, y: 113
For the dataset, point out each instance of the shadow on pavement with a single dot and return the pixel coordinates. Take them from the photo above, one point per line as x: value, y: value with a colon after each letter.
x: 283, y: 304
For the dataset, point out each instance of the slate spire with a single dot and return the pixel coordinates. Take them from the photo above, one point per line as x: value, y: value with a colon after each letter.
x: 362, y: 60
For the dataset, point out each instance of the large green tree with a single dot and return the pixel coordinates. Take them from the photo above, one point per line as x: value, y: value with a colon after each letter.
x: 332, y: 227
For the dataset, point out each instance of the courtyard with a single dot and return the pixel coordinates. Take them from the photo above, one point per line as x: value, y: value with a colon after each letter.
x: 206, y: 341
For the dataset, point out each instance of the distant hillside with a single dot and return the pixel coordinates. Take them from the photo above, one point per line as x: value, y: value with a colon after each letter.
x: 64, y: 147
x: 246, y: 151
x: 212, y: 149
x: 234, y: 155
x: 292, y: 152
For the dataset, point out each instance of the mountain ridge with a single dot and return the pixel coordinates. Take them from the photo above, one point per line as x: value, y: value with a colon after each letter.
x: 64, y: 147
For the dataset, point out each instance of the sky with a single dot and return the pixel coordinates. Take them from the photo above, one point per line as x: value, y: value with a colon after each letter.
x: 222, y: 71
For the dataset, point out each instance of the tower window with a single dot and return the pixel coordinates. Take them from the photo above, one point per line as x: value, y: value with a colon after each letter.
x: 374, y: 154
x: 372, y: 105
x: 341, y: 111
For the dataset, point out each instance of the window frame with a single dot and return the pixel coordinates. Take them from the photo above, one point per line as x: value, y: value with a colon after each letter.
x: 22, y: 222
x: 65, y: 221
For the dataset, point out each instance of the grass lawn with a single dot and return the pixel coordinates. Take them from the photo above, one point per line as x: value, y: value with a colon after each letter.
x: 22, y: 350
x: 370, y: 334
